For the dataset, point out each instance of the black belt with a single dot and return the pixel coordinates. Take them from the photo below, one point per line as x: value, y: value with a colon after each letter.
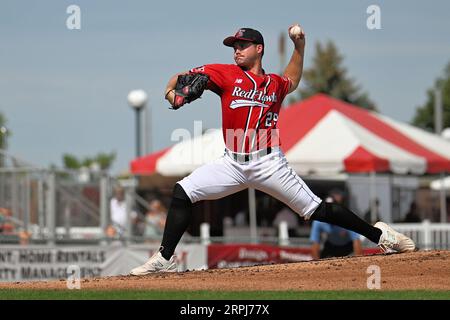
x: 246, y: 157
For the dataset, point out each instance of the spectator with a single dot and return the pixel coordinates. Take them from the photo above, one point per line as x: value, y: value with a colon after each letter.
x: 119, y: 215
x: 339, y: 241
x: 290, y: 217
x: 24, y: 237
x: 336, y: 195
x: 412, y: 215
x: 448, y: 209
x: 11, y: 230
x: 240, y: 220
x: 368, y: 214
x: 155, y: 219
x: 6, y: 224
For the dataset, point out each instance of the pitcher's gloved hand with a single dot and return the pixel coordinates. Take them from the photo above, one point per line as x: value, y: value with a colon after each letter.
x: 189, y: 87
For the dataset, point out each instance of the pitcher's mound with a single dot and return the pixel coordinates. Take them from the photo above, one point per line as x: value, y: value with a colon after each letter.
x: 421, y: 270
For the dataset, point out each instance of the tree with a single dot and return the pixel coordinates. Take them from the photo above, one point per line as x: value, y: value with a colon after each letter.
x: 104, y: 161
x: 424, y: 116
x: 327, y: 75
x: 71, y: 162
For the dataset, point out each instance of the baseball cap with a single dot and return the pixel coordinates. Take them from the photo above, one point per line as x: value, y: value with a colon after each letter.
x: 245, y: 34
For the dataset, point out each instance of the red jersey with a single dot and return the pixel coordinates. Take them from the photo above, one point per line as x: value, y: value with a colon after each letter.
x: 250, y: 105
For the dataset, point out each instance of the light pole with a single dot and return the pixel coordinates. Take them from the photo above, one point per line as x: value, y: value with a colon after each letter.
x: 446, y: 134
x: 137, y: 100
x: 3, y: 133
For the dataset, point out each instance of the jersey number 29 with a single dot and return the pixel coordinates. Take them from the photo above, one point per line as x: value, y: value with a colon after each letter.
x: 271, y: 116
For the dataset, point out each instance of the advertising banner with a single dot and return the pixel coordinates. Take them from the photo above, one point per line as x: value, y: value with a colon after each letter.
x: 238, y: 255
x: 29, y: 263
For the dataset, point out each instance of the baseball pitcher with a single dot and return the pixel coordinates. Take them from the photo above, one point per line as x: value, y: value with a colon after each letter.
x: 251, y: 100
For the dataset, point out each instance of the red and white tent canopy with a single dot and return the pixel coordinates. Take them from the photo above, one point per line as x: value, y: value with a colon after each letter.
x: 322, y: 135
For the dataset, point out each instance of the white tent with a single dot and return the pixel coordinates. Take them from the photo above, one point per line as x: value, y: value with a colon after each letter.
x: 322, y: 135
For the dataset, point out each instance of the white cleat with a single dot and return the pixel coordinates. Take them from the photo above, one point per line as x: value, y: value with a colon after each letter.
x: 393, y: 241
x: 156, y: 263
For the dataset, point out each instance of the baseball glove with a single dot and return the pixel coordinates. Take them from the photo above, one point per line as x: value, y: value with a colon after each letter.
x: 189, y: 87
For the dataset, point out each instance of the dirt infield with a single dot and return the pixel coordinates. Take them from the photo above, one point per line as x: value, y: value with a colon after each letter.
x: 422, y: 270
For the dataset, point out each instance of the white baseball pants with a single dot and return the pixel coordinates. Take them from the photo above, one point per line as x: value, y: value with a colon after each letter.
x: 269, y: 173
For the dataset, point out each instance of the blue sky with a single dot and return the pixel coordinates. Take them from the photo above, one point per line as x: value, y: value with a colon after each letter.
x: 64, y: 91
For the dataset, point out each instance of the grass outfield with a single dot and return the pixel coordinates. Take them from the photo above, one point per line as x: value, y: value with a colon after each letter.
x: 218, y: 295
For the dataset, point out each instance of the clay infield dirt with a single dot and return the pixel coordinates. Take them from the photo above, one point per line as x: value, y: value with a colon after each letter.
x: 422, y: 270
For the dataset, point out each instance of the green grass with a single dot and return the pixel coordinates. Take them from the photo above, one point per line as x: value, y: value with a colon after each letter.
x: 221, y: 295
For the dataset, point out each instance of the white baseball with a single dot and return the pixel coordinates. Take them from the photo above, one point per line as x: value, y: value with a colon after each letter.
x: 295, y: 30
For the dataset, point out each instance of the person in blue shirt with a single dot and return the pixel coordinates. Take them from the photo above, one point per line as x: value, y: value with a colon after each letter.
x: 339, y: 241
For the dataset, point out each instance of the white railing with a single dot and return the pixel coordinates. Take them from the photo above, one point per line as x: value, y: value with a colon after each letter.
x: 426, y: 235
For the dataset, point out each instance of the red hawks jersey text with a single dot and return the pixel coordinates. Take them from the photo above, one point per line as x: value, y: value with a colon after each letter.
x: 250, y: 105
